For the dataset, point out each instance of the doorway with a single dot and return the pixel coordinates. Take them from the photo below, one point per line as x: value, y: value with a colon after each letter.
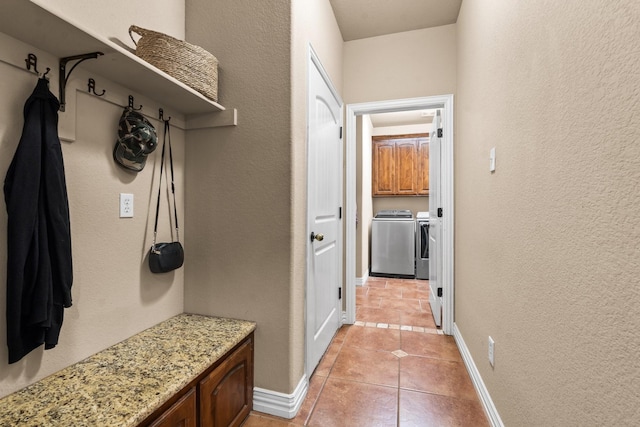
x: 445, y: 104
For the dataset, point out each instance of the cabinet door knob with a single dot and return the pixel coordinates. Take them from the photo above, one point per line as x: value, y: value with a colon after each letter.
x: 319, y: 237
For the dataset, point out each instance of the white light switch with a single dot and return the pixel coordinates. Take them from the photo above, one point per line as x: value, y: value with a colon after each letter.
x: 126, y: 205
x: 492, y: 350
x: 492, y: 160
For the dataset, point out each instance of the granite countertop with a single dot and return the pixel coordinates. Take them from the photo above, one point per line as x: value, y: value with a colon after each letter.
x: 123, y: 384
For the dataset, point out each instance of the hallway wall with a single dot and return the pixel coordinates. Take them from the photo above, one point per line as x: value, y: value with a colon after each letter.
x: 547, y: 246
x: 246, y: 185
x: 408, y: 70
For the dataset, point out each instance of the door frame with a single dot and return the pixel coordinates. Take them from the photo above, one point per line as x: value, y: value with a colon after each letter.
x: 444, y: 102
x: 314, y: 61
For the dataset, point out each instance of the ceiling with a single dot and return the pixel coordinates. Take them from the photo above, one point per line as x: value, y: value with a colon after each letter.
x: 359, y: 19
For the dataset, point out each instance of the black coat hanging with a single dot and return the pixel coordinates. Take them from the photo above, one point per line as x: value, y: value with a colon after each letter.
x: 39, y: 267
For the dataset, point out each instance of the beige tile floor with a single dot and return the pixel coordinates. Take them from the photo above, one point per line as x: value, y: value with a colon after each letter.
x: 392, y: 368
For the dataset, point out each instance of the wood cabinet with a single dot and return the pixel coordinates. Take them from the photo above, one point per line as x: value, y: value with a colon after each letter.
x: 384, y: 168
x: 423, y: 167
x: 226, y: 393
x: 222, y: 396
x: 180, y: 414
x: 400, y: 165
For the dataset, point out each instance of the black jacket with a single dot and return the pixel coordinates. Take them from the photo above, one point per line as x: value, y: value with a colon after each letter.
x: 39, y: 270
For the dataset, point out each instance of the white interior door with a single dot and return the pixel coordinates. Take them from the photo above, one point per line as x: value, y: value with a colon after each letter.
x: 435, y: 220
x: 324, y: 254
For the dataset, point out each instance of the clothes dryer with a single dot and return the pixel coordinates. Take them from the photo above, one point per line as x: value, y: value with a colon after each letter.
x: 422, y: 245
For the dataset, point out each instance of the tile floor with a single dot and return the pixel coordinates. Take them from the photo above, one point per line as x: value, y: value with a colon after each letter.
x: 392, y: 368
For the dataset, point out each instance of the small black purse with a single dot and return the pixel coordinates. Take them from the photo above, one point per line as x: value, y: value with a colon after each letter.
x: 165, y: 257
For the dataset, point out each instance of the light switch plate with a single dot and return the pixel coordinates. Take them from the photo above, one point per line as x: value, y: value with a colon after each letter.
x: 492, y: 348
x: 492, y: 160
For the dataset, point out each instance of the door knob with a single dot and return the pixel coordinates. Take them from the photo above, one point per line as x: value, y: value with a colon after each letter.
x: 319, y: 237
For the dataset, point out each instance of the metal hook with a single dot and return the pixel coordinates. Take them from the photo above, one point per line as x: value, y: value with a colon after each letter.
x: 32, y: 61
x: 131, y: 104
x: 91, y: 88
x: 44, y: 76
x: 161, y: 114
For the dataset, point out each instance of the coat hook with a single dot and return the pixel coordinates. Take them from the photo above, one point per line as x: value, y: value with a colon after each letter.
x: 32, y: 61
x: 131, y: 104
x: 161, y: 114
x: 91, y: 88
x: 44, y: 76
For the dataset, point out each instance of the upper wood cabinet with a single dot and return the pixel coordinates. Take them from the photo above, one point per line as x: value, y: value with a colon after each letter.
x: 423, y: 167
x: 400, y: 165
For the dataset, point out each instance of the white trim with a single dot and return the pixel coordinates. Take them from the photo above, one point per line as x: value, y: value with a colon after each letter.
x: 280, y: 404
x: 481, y: 389
x: 361, y: 281
x: 446, y: 103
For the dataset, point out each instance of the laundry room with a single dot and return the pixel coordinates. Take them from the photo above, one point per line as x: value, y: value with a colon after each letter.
x: 392, y: 183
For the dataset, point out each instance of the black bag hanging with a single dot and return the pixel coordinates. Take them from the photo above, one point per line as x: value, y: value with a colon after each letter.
x: 165, y: 257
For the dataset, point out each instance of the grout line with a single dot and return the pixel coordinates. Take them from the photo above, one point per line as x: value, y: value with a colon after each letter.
x: 315, y: 402
x: 381, y: 325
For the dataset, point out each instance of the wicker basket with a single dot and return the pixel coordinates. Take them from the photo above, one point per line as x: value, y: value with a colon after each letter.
x: 190, y: 64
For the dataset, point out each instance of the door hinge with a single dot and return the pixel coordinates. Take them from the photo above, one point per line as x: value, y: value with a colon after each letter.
x: 440, y: 133
x: 340, y: 132
x: 439, y: 212
x: 339, y: 293
x: 340, y: 212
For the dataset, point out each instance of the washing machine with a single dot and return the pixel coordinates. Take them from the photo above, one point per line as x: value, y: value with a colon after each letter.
x: 393, y: 244
x: 422, y: 245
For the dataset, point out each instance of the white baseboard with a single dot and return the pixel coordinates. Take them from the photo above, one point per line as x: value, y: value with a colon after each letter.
x: 360, y: 281
x: 280, y: 404
x: 485, y: 398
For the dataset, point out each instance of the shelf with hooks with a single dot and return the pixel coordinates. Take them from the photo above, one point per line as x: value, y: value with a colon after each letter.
x: 34, y: 24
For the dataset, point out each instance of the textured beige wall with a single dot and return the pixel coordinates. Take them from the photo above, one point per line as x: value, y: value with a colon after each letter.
x: 400, y: 65
x: 547, y: 257
x: 247, y: 185
x: 114, y: 294
x: 415, y: 204
x: 113, y: 18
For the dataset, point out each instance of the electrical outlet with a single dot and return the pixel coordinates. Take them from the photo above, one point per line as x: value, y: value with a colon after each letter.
x: 492, y: 348
x: 126, y: 205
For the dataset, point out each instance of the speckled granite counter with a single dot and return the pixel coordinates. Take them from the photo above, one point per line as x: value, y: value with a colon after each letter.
x: 125, y: 383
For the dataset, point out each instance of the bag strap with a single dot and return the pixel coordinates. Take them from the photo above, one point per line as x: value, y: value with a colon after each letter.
x: 166, y: 135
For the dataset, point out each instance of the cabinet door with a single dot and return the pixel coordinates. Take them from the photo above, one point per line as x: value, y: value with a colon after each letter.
x: 406, y: 167
x: 226, y: 394
x: 181, y: 414
x: 383, y: 169
x: 423, y: 167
